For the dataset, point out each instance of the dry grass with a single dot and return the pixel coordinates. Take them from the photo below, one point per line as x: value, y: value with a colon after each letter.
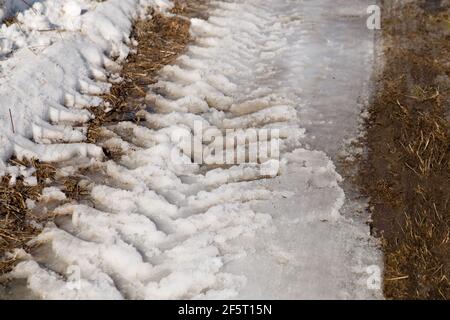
x: 16, y: 220
x: 192, y: 8
x: 160, y: 41
x: 10, y: 21
x: 407, y: 174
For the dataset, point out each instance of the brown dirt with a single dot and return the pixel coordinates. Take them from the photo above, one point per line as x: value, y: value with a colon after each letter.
x: 407, y: 172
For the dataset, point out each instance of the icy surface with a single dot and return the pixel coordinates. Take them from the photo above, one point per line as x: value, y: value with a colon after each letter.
x: 321, y: 247
x: 162, y: 227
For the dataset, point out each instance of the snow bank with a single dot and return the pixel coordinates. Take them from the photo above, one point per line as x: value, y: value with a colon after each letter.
x: 54, y: 63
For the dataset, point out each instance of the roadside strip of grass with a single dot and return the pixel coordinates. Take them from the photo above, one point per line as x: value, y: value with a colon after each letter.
x: 407, y: 170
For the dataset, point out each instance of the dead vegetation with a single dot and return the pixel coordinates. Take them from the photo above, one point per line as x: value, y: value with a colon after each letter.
x: 18, y: 224
x: 407, y: 173
x: 160, y: 39
x: 192, y: 9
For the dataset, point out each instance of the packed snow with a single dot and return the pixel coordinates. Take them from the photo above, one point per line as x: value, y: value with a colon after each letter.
x: 160, y: 226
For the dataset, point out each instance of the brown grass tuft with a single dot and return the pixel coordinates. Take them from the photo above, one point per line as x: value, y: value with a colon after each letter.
x: 17, y: 222
x: 192, y: 9
x: 160, y: 39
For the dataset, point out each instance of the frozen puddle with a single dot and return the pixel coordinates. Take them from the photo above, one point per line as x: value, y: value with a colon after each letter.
x: 161, y: 227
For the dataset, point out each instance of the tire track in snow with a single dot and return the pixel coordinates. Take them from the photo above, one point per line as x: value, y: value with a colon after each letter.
x: 161, y: 230
x: 178, y: 241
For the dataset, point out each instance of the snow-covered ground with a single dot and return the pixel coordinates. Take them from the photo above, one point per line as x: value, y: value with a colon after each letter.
x: 52, y: 64
x: 161, y: 227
